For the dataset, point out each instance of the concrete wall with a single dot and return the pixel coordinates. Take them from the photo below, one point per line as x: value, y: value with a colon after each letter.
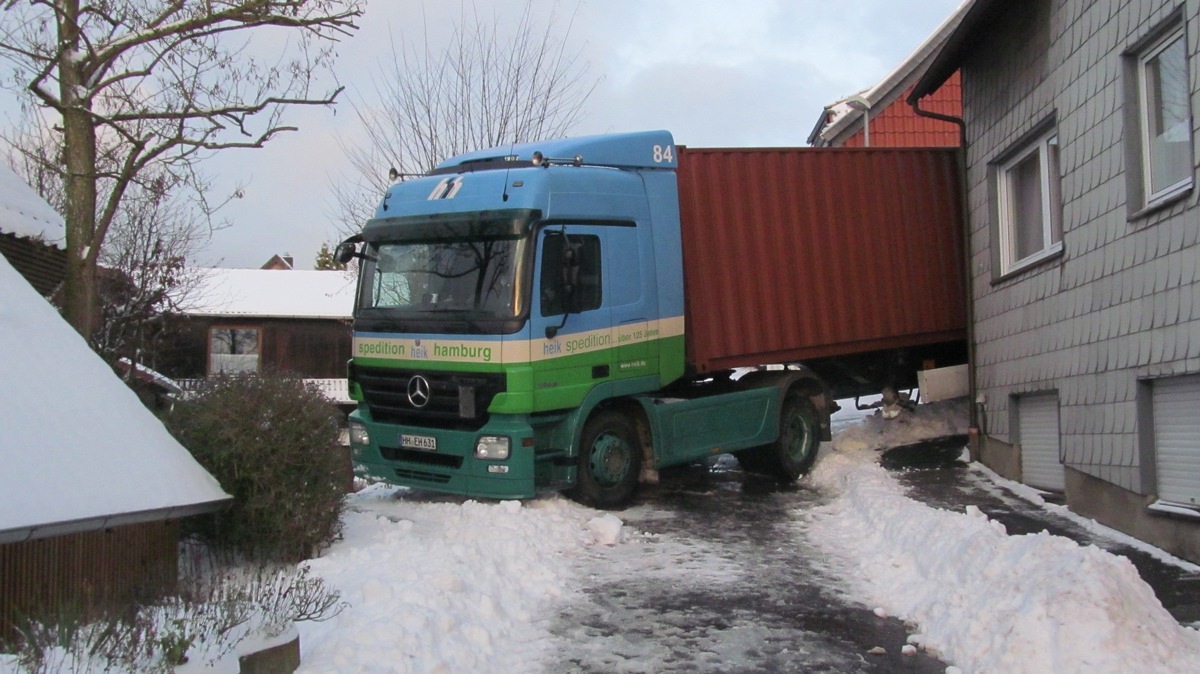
x: 1127, y: 512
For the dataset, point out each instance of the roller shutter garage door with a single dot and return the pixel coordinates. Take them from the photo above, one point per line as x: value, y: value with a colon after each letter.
x: 1177, y: 439
x: 1038, y: 419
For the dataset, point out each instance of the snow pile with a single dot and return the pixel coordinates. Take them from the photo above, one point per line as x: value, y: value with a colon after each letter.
x: 935, y: 420
x: 606, y: 528
x: 437, y: 585
x: 446, y: 587
x: 988, y: 601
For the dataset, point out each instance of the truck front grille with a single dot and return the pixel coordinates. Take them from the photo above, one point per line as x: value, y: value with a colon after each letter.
x: 456, y: 400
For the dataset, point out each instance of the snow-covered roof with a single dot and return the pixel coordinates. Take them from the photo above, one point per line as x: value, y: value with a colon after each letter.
x: 273, y: 293
x: 25, y: 213
x: 79, y: 450
x: 838, y: 115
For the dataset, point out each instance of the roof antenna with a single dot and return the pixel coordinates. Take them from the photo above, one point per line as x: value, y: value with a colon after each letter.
x: 511, y: 149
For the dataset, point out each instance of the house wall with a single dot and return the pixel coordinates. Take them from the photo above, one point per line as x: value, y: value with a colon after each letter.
x: 44, y: 266
x: 1121, y: 305
x: 309, y: 348
x: 79, y: 573
x: 312, y: 349
x: 897, y: 125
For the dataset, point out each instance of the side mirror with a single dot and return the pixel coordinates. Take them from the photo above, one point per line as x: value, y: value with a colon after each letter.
x: 345, y: 252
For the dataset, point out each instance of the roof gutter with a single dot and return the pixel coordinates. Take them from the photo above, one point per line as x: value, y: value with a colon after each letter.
x: 972, y: 389
x: 51, y: 529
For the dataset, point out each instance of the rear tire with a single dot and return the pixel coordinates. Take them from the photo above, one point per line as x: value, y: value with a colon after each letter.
x: 795, y: 450
x: 610, y: 459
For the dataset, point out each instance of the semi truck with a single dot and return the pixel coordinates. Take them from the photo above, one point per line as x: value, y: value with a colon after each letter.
x: 576, y: 314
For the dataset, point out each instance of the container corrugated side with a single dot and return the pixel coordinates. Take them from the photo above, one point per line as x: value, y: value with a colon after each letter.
x: 797, y: 254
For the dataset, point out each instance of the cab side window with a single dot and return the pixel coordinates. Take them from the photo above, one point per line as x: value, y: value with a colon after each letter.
x: 571, y: 278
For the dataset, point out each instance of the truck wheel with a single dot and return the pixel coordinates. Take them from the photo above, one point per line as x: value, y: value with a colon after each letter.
x: 799, y: 439
x: 610, y: 456
x: 794, y: 451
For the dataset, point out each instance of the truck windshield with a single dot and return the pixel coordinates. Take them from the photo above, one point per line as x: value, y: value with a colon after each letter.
x: 477, y: 279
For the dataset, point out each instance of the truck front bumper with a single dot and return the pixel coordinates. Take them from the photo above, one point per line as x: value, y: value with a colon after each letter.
x: 450, y: 465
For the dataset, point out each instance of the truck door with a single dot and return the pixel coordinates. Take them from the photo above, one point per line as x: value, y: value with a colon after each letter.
x: 632, y: 303
x: 572, y: 345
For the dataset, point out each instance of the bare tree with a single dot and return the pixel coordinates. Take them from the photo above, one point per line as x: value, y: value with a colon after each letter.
x: 143, y: 277
x: 489, y: 86
x: 143, y: 89
x: 142, y: 272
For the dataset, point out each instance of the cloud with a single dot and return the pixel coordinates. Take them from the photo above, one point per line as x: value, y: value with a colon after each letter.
x: 715, y: 73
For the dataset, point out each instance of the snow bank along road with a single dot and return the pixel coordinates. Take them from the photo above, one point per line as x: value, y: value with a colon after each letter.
x: 716, y: 571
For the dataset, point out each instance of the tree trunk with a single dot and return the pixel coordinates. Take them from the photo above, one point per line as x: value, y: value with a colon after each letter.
x: 79, y: 289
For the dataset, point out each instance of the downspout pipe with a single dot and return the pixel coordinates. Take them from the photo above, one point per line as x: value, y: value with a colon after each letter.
x: 966, y: 265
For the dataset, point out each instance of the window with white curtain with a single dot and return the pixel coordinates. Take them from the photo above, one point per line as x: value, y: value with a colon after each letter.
x: 1030, y: 208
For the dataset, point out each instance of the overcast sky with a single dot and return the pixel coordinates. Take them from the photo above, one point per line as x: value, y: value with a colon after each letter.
x: 713, y: 72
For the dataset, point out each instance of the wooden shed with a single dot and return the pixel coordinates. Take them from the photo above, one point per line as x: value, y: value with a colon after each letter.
x: 291, y: 322
x: 93, y: 485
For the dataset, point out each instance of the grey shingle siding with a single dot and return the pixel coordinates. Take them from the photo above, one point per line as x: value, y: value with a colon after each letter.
x: 1122, y: 303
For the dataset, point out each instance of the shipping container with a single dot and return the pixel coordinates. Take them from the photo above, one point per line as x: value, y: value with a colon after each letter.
x: 816, y: 253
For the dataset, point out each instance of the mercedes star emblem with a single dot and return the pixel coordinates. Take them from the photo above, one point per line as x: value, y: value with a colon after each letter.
x: 418, y: 391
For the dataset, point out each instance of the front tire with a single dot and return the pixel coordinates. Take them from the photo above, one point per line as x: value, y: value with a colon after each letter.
x: 610, y: 458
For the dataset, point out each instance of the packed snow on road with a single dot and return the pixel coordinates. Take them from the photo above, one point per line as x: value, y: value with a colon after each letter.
x: 446, y: 586
x: 437, y: 585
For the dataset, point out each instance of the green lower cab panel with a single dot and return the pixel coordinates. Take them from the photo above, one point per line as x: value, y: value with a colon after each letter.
x: 687, y: 430
x: 445, y: 460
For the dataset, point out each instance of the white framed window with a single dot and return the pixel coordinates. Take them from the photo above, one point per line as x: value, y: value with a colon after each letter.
x: 233, y: 350
x: 1165, y: 117
x: 1030, y: 204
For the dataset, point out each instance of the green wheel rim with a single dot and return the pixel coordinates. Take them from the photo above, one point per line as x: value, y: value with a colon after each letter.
x: 610, y: 460
x: 800, y: 437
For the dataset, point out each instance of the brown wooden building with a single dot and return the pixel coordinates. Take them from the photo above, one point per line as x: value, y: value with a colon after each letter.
x: 265, y: 320
x: 93, y: 486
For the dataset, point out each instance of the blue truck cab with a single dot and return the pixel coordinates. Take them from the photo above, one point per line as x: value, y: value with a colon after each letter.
x: 520, y: 327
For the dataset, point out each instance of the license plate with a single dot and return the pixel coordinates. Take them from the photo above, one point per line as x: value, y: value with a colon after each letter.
x: 425, y: 442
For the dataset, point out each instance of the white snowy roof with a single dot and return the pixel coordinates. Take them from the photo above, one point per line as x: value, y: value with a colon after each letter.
x: 79, y: 450
x: 273, y: 293
x: 26, y: 214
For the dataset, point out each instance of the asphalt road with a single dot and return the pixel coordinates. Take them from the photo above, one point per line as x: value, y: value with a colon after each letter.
x: 717, y: 576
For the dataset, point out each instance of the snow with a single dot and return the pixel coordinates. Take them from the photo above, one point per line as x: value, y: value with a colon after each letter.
x: 273, y: 293
x: 68, y: 423
x: 438, y: 584
x: 985, y: 600
x: 24, y: 213
x: 445, y: 587
x: 450, y: 586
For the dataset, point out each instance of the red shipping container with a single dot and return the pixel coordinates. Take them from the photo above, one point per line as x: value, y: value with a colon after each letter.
x: 794, y: 254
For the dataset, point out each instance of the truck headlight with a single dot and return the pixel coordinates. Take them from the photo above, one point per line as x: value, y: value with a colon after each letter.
x: 358, y: 433
x: 492, y: 447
